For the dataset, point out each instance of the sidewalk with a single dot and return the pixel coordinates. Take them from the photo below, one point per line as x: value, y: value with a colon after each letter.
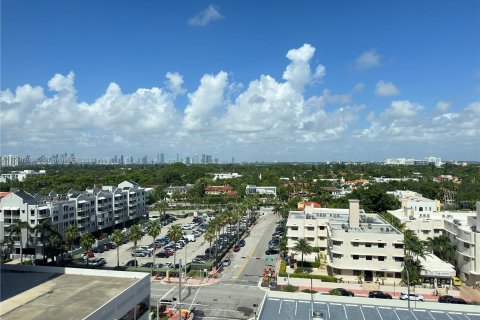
x: 469, y: 294
x: 190, y: 281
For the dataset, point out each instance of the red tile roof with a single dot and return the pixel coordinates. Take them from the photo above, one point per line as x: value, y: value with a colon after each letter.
x: 3, y: 194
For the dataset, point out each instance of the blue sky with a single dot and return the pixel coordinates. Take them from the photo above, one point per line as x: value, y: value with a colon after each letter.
x: 269, y: 81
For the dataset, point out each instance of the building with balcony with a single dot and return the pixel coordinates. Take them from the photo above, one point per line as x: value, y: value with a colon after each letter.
x: 356, y: 244
x: 415, y: 202
x: 461, y: 227
x: 90, y: 211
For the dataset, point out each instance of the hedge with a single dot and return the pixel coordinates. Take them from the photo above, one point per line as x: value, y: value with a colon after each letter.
x: 308, y: 276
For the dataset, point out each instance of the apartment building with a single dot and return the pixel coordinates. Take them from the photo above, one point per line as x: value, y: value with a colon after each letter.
x: 92, y: 210
x: 416, y: 202
x: 21, y: 175
x: 251, y: 189
x: 356, y: 244
x: 463, y: 230
x: 222, y: 176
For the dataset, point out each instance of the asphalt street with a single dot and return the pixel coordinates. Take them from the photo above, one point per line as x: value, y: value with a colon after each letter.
x: 237, y: 292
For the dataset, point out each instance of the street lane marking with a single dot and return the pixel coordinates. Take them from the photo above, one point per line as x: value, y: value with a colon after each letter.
x: 194, y: 297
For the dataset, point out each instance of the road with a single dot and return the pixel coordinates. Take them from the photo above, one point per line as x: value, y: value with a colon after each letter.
x: 235, y: 295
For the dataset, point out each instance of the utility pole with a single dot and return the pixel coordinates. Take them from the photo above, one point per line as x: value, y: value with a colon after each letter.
x: 408, y: 286
x: 180, y: 285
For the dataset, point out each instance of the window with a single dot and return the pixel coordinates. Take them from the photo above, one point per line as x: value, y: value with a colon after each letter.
x: 368, y: 245
x: 322, y: 238
x: 357, y: 272
x: 398, y: 274
x: 368, y: 257
x: 426, y: 231
x: 381, y: 245
x: 337, y: 271
x: 32, y: 221
x: 466, y: 259
x: 389, y: 275
x: 398, y: 259
x: 321, y: 227
x: 293, y: 238
x: 294, y: 228
x: 355, y: 244
x: 311, y: 239
x: 310, y: 228
x: 336, y: 255
x: 398, y: 245
x: 466, y: 245
x: 380, y: 274
x: 381, y: 258
x: 32, y: 212
x: 337, y: 243
x: 355, y: 257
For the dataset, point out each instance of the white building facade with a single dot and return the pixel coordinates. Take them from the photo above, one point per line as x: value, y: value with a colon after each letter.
x: 356, y: 244
x: 90, y: 211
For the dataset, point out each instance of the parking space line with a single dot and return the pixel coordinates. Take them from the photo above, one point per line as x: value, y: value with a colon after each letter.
x: 296, y: 305
x: 379, y: 313
x: 328, y: 310
x: 194, y: 298
x: 431, y: 315
x: 361, y: 311
x: 345, y: 310
x: 395, y: 311
x: 280, y: 307
x: 449, y: 316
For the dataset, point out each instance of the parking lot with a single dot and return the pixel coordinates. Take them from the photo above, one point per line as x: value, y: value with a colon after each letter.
x: 283, y: 308
x: 187, y: 253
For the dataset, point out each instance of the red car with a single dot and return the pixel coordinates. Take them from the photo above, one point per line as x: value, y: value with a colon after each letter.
x: 89, y: 254
x: 236, y: 248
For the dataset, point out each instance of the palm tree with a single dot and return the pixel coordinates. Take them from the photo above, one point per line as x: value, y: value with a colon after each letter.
x: 153, y: 230
x: 209, y: 235
x: 71, y: 234
x: 441, y: 247
x: 175, y: 234
x: 16, y: 230
x: 135, y: 235
x: 117, y: 238
x: 161, y: 207
x: 87, y: 241
x: 303, y: 247
x: 45, y: 229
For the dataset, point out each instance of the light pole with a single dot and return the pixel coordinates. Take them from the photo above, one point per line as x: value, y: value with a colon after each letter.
x: 408, y: 286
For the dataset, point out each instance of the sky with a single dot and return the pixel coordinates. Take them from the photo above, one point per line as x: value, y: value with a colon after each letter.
x: 255, y: 80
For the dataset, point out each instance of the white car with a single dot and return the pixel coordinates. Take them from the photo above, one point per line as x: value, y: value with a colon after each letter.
x: 147, y: 248
x: 412, y: 297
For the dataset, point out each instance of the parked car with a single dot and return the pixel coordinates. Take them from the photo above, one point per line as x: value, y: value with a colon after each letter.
x: 132, y: 263
x: 88, y: 255
x: 112, y: 245
x: 341, y: 292
x: 445, y: 299
x: 456, y: 281
x: 458, y: 301
x: 379, y: 295
x: 148, y: 249
x: 241, y: 243
x: 412, y: 297
x: 147, y: 265
x: 236, y: 248
x: 271, y: 251
x: 139, y: 253
x: 168, y: 265
x: 162, y: 254
x: 226, y: 262
x: 98, y: 250
x: 97, y: 262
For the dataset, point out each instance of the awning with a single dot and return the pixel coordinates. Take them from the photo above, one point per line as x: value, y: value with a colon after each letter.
x: 82, y: 201
x: 43, y: 208
x: 101, y: 198
x: 14, y: 208
x: 6, y: 208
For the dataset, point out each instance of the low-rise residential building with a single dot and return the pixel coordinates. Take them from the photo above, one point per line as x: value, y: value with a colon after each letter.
x: 21, y: 175
x: 415, y: 202
x: 461, y: 227
x: 92, y: 210
x: 356, y: 244
x: 178, y: 189
x: 218, y: 190
x: 222, y: 176
x: 252, y: 189
x: 436, y: 272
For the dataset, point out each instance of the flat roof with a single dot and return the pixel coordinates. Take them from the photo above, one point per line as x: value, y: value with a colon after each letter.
x: 433, y: 265
x: 285, y: 308
x: 50, y: 295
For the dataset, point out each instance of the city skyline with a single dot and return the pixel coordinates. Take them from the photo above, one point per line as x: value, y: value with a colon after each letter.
x: 318, y: 82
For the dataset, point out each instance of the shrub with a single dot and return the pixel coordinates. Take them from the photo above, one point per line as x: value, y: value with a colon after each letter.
x: 289, y: 288
x: 314, y: 276
x: 308, y: 264
x: 335, y: 292
x: 309, y: 291
x: 283, y: 269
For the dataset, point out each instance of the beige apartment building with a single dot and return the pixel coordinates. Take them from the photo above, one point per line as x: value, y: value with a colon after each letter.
x: 357, y: 245
x: 463, y: 230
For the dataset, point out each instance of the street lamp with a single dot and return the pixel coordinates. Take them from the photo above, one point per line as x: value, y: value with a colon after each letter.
x: 408, y: 286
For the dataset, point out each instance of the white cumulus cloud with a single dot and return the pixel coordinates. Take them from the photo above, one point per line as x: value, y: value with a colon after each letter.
x: 386, y: 89
x: 211, y: 13
x: 367, y: 60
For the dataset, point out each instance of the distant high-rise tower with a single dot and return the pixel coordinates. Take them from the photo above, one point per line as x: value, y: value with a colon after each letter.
x: 162, y: 157
x: 204, y: 158
x: 178, y: 157
x: 233, y: 159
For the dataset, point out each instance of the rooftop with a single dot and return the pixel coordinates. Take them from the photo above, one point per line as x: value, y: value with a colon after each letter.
x: 31, y: 295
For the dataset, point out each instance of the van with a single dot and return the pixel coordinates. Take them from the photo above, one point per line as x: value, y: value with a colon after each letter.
x: 190, y: 237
